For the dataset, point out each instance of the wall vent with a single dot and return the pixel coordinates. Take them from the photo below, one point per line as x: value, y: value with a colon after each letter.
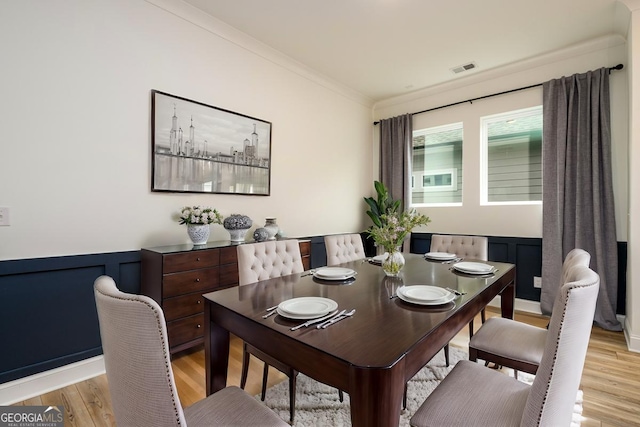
x: 465, y: 67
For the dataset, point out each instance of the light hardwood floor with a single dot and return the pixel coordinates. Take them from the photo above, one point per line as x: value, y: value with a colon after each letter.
x: 610, y: 381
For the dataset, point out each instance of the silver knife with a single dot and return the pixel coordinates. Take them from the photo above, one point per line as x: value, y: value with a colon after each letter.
x: 321, y: 319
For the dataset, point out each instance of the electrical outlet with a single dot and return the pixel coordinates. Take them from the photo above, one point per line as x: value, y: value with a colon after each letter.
x: 537, y: 282
x: 4, y: 216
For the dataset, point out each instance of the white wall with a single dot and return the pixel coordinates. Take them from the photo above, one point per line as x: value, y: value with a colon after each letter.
x: 75, y: 108
x: 632, y: 318
x: 521, y: 221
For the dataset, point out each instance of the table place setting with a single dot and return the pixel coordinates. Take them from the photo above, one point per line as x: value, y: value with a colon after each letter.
x: 477, y: 269
x: 378, y: 259
x: 335, y: 275
x: 442, y: 257
x: 426, y: 295
x: 319, y: 311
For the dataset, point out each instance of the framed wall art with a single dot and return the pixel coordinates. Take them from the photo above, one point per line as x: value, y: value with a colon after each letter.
x: 198, y: 148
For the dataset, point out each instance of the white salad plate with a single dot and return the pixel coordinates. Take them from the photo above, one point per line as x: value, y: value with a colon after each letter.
x: 440, y: 256
x: 425, y: 295
x: 473, y: 268
x: 306, y: 307
x: 334, y: 273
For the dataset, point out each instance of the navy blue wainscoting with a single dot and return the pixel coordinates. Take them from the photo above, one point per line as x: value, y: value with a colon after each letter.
x: 48, y: 314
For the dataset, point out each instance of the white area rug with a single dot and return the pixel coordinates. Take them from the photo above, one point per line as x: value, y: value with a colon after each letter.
x: 318, y: 405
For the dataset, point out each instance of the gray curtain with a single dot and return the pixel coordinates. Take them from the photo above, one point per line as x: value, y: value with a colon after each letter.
x: 396, y: 136
x: 578, y: 209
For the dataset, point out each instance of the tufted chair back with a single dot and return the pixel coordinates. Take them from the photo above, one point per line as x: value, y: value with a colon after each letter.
x: 343, y: 248
x: 552, y: 394
x: 266, y: 260
x: 474, y: 247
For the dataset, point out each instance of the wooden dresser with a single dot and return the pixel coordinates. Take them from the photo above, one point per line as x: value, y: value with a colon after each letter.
x: 177, y: 276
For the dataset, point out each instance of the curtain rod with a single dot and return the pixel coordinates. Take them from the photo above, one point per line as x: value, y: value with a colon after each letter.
x: 617, y: 67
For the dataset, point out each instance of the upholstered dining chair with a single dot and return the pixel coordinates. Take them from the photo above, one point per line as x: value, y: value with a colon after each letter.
x: 138, y: 365
x: 261, y: 261
x: 473, y: 395
x: 473, y: 247
x: 343, y: 248
x: 514, y: 344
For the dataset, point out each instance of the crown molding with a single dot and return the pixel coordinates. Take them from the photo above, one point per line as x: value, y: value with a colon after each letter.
x: 226, y: 32
x: 631, y: 4
x: 600, y: 43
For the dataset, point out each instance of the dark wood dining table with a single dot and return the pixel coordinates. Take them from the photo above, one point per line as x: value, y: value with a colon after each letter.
x: 370, y: 355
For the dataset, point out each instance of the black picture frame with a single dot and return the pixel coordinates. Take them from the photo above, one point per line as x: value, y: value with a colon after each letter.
x: 199, y: 148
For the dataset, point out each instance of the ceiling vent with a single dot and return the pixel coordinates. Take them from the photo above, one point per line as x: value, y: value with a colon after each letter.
x: 465, y: 67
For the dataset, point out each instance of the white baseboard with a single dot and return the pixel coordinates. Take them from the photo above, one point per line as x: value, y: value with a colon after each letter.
x: 44, y: 382
x: 520, y: 305
x: 633, y: 341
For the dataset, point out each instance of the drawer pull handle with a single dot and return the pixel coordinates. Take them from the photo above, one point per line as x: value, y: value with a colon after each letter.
x: 198, y: 259
x: 198, y: 326
x: 197, y: 280
x: 198, y: 302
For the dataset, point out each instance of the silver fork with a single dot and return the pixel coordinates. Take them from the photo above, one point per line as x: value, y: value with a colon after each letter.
x: 337, y: 318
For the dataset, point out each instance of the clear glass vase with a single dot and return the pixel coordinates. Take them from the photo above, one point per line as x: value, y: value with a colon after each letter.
x: 393, y: 264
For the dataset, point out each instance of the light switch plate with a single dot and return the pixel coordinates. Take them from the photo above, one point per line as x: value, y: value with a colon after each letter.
x: 537, y: 282
x: 4, y: 216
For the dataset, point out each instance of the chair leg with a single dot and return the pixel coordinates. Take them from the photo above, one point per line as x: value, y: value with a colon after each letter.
x: 471, y: 328
x: 340, y: 396
x: 446, y: 354
x: 245, y: 366
x: 483, y: 315
x: 515, y: 374
x: 265, y: 376
x: 404, y: 397
x: 292, y: 397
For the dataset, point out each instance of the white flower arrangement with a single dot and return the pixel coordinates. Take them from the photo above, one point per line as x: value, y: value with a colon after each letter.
x: 199, y: 215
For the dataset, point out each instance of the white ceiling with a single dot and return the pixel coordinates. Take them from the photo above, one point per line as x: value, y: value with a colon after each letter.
x: 384, y: 48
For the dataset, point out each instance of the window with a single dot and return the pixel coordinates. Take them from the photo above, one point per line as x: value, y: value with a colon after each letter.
x: 437, y: 165
x: 512, y: 166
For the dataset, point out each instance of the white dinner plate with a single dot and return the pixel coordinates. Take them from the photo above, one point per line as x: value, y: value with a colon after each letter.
x: 334, y: 273
x: 474, y: 267
x: 379, y: 259
x: 425, y: 295
x: 440, y: 256
x: 309, y: 307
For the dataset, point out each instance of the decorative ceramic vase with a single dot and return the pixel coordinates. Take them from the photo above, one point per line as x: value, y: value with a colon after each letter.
x: 238, y: 234
x: 271, y: 227
x: 237, y: 225
x: 260, y: 234
x: 198, y: 233
x: 393, y: 263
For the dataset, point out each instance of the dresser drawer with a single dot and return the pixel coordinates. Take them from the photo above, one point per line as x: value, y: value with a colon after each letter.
x: 189, y: 282
x: 229, y: 274
x: 190, y: 261
x: 184, y: 305
x: 229, y: 255
x: 186, y: 329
